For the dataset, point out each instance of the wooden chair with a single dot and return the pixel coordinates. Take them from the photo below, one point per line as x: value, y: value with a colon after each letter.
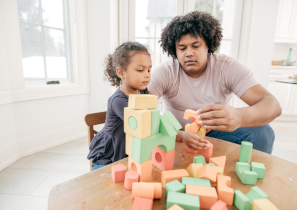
x: 91, y: 120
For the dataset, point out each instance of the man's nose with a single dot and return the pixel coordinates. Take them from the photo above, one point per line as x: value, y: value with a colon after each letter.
x: 189, y: 52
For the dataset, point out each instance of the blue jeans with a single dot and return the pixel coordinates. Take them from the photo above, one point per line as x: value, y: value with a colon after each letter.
x: 96, y: 166
x: 261, y: 137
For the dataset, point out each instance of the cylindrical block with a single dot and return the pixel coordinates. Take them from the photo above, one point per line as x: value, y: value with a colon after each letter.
x: 245, y: 152
x: 149, y: 190
x: 130, y: 178
x: 207, y: 153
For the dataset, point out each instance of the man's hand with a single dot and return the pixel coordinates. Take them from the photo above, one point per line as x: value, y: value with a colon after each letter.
x: 193, y: 141
x: 220, y: 117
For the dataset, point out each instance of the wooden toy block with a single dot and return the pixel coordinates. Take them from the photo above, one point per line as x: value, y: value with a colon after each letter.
x: 263, y: 204
x: 137, y: 123
x: 188, y: 149
x: 225, y: 192
x: 199, y: 159
x: 196, y: 182
x: 219, y: 205
x: 142, y: 148
x: 259, y: 168
x: 143, y: 169
x: 190, y: 113
x: 219, y: 170
x: 118, y: 172
x: 245, y: 174
x: 175, y: 207
x: 211, y: 164
x: 244, y: 201
x: 207, y: 195
x: 245, y: 152
x: 186, y: 201
x: 208, y: 172
x: 163, y: 160
x: 150, y: 190
x: 142, y: 204
x: 202, y: 132
x: 130, y: 177
x: 168, y: 176
x: 142, y: 101
x: 207, y: 153
x: 193, y: 169
x: 155, y: 126
x: 177, y: 126
x: 129, y: 144
x: 166, y: 127
x: 219, y: 161
x: 174, y: 186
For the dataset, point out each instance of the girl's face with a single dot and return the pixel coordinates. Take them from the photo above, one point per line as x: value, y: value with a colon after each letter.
x: 138, y: 72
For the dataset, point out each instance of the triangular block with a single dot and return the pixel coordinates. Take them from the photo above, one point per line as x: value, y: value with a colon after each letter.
x: 166, y: 127
x: 173, y: 121
x: 219, y: 161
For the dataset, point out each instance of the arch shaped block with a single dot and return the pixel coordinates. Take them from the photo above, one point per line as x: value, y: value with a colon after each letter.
x: 163, y: 160
x: 225, y: 192
x: 143, y: 169
x: 244, y: 173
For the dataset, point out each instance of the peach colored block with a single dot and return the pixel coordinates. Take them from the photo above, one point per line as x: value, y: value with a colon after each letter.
x: 130, y: 177
x: 219, y: 205
x: 225, y: 192
x: 190, y: 113
x: 142, y: 204
x: 118, y: 172
x: 188, y: 149
x: 163, y: 160
x: 143, y: 169
x: 193, y: 169
x: 148, y: 190
x: 168, y: 176
x: 207, y: 195
x: 175, y: 207
x: 219, y: 161
x: 208, y: 172
x: 194, y: 127
x: 207, y: 153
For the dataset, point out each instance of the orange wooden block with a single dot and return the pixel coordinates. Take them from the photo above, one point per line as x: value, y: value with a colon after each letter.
x: 190, y: 113
x: 130, y: 177
x: 219, y: 205
x: 148, y: 190
x: 207, y: 153
x: 143, y: 169
x: 168, y: 176
x: 142, y: 204
x: 208, y: 172
x: 225, y: 192
x: 188, y: 149
x: 219, y: 161
x: 118, y: 172
x: 207, y: 195
x: 163, y: 160
x: 175, y: 207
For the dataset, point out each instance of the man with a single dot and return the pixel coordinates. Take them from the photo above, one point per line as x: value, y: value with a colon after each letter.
x: 198, y: 79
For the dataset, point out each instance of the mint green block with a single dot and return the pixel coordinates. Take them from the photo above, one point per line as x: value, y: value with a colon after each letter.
x: 244, y: 202
x: 211, y: 164
x: 186, y: 201
x: 195, y: 181
x: 259, y: 168
x: 199, y: 159
x: 166, y: 127
x: 173, y: 120
x: 174, y: 186
x: 246, y: 176
x: 142, y: 148
x: 132, y: 123
x: 245, y: 152
x: 155, y: 126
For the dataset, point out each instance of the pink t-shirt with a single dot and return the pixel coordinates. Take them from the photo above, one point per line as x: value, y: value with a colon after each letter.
x: 223, y: 76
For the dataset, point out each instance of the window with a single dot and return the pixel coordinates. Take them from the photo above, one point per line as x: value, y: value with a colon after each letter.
x: 43, y: 39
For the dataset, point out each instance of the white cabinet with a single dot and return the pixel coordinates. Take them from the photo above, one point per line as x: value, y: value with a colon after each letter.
x: 286, y: 26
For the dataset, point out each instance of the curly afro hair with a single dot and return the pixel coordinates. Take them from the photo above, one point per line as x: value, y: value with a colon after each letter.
x: 194, y: 23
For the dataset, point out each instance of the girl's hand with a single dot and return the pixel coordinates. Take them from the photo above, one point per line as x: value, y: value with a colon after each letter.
x: 193, y: 141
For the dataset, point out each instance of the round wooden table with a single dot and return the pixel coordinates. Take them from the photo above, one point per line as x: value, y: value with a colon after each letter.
x: 96, y: 190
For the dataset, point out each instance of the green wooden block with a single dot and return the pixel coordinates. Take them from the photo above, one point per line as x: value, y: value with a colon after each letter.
x: 155, y: 127
x: 244, y: 202
x: 186, y: 201
x: 259, y: 168
x: 174, y: 186
x: 246, y: 176
x: 245, y: 152
x: 195, y: 181
x: 173, y: 120
x: 199, y: 159
x: 166, y: 127
x: 211, y: 164
x: 142, y: 148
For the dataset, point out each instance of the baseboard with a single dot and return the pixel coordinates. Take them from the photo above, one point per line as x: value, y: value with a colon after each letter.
x: 9, y: 153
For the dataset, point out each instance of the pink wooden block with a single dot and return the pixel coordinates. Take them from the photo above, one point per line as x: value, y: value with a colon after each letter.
x: 142, y: 204
x: 118, y: 172
x: 130, y: 177
x: 207, y: 153
x: 219, y: 205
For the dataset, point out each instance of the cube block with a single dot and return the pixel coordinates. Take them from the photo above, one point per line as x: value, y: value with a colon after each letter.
x: 142, y: 204
x: 168, y: 176
x: 143, y: 169
x: 130, y: 177
x: 219, y: 205
x: 259, y: 168
x: 150, y: 190
x: 186, y: 201
x: 196, y: 182
x: 174, y: 186
x: 263, y: 204
x: 245, y: 174
x: 225, y: 192
x: 207, y: 195
x: 129, y: 144
x: 245, y: 152
x: 175, y: 207
x: 219, y: 161
x: 118, y: 172
x: 155, y: 126
x: 199, y: 159
x: 193, y: 169
x: 208, y: 172
x: 142, y: 101
x: 166, y: 127
x: 163, y: 160
x: 207, y: 153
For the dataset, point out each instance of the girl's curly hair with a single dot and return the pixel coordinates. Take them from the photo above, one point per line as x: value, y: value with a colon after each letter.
x: 194, y: 23
x: 121, y: 58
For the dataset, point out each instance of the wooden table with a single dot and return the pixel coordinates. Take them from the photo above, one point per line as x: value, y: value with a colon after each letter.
x: 96, y: 190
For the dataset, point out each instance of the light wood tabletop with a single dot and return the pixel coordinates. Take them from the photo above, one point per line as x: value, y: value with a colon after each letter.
x: 96, y: 190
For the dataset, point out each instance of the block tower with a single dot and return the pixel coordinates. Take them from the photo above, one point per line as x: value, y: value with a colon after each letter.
x: 148, y: 132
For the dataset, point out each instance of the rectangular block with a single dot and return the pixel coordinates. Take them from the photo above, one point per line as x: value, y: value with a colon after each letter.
x: 225, y: 192
x: 263, y: 204
x: 208, y: 172
x: 174, y: 186
x: 155, y: 126
x: 168, y: 176
x: 144, y: 169
x: 142, y: 204
x: 137, y: 123
x: 163, y: 160
x: 207, y: 195
x: 245, y: 152
x: 259, y: 168
x: 142, y: 101
x: 189, y: 202
x: 193, y: 169
x: 166, y: 127
x: 196, y: 181
x: 128, y: 145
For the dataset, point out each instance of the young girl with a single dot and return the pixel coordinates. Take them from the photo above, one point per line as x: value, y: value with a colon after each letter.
x: 128, y: 67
